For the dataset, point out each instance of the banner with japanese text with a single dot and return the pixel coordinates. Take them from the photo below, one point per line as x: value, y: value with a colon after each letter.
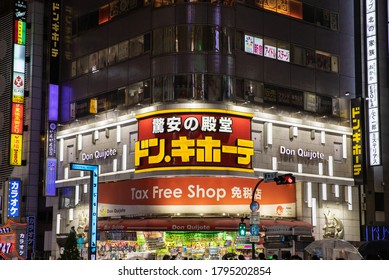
x: 205, y: 139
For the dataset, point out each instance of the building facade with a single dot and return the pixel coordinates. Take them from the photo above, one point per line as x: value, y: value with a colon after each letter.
x: 24, y: 217
x: 184, y: 107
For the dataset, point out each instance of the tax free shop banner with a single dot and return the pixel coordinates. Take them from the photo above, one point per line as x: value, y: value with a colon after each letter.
x: 195, y: 194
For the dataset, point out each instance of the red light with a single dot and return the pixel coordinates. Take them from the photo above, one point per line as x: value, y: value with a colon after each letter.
x: 285, y: 179
x: 289, y: 179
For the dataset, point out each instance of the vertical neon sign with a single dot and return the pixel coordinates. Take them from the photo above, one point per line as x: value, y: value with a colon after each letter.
x: 93, y: 205
x: 18, y: 83
x: 372, y: 83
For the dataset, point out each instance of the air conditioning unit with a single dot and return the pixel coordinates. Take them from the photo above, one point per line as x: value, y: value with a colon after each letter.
x: 305, y: 238
x: 275, y: 238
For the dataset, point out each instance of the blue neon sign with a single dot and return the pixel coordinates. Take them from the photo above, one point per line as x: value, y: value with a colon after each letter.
x: 94, y: 185
x: 14, y: 198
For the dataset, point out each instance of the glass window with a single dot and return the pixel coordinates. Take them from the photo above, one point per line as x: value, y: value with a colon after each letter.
x: 112, y: 54
x: 379, y: 201
x: 226, y: 40
x: 104, y: 12
x: 136, y: 93
x: 283, y: 51
x: 310, y: 102
x: 136, y: 46
x: 283, y: 7
x: 270, y: 48
x: 164, y: 40
x: 93, y: 61
x: 308, y: 13
x: 168, y: 88
x: 123, y: 51
x: 334, y: 64
x: 158, y: 41
x: 182, y: 42
x: 323, y: 18
x: 74, y: 69
x: 239, y: 41
x: 157, y: 90
x: 147, y: 42
x: 323, y: 61
x: 66, y: 197
x: 334, y: 21
x: 297, y: 55
x: 199, y: 86
x: 228, y: 88
x: 214, y: 88
x: 216, y: 40
x: 309, y: 58
x: 198, y: 39
x: 253, y: 91
x: 296, y: 9
x: 183, y: 87
x: 82, y: 65
x: 103, y: 58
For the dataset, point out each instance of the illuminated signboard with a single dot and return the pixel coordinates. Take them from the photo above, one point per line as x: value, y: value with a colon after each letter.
x: 16, y: 149
x: 17, y: 118
x: 14, y: 198
x: 20, y: 32
x: 253, y: 45
x: 372, y: 84
x: 51, y: 175
x: 93, y: 205
x: 31, y: 223
x: 18, y: 83
x: 357, y: 140
x: 55, y: 28
x: 194, y: 194
x: 13, y: 240
x: 194, y: 139
x: 55, y: 40
x: 256, y: 46
x: 376, y: 233
x: 52, y: 135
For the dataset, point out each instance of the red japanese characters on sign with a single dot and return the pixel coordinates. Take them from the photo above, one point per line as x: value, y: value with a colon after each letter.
x: 208, y: 139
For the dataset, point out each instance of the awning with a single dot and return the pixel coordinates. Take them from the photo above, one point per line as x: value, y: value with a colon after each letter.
x: 194, y: 224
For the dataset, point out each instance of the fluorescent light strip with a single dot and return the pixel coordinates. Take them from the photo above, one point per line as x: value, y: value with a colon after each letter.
x: 308, y: 127
x: 314, y: 213
x: 58, y: 225
x: 309, y: 194
x: 324, y: 191
x: 89, y: 130
x: 350, y: 197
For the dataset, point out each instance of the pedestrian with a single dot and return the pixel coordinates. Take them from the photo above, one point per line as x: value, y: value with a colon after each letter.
x: 295, y: 257
x: 261, y: 256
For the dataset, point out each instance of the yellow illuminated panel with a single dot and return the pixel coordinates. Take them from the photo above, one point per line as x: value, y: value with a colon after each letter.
x: 16, y: 149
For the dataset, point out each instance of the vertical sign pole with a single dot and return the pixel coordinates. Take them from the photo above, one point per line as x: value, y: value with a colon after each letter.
x: 93, y: 203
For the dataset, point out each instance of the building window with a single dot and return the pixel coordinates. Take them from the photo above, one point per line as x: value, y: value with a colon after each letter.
x: 283, y: 51
x: 323, y: 61
x: 123, y: 50
x: 270, y: 48
x: 82, y: 65
x: 112, y: 54
x: 66, y: 197
x: 379, y: 201
x: 291, y: 8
